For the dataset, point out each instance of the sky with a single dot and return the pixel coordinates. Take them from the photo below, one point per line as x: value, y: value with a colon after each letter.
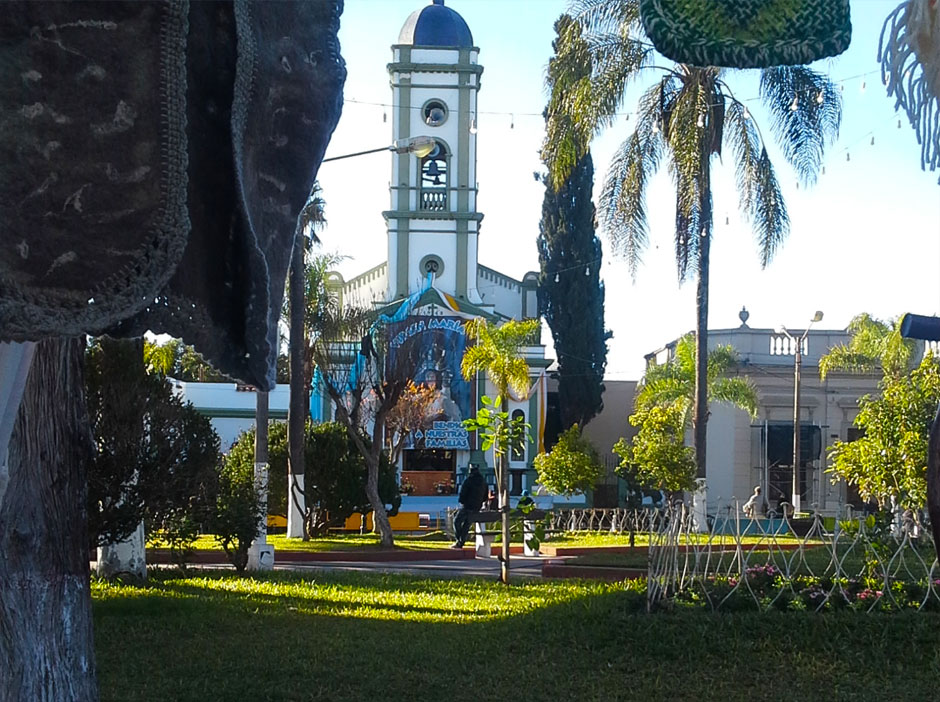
x: 864, y: 238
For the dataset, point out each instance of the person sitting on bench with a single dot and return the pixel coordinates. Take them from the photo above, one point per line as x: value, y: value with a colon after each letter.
x: 472, y: 495
x: 753, y: 507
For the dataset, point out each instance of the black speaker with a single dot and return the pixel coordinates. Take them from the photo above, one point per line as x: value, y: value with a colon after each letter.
x: 916, y: 326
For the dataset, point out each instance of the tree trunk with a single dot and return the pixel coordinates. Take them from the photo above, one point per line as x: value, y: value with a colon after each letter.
x: 379, y: 515
x: 700, y: 413
x: 503, y: 477
x: 297, y: 412
x: 260, y: 554
x: 46, y: 642
x: 504, y: 510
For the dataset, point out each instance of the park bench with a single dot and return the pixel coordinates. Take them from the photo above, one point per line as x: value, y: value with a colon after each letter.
x: 484, y: 539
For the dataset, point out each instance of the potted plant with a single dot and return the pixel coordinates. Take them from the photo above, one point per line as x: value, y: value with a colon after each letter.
x: 444, y: 487
x: 406, y: 487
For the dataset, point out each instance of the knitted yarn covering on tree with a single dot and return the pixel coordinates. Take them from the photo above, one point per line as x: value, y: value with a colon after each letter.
x: 155, y: 156
x: 909, y: 52
x: 747, y: 33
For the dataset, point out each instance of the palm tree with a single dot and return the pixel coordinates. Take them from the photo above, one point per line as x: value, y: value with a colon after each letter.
x: 673, y: 383
x: 874, y: 346
x: 684, y: 119
x: 497, y: 352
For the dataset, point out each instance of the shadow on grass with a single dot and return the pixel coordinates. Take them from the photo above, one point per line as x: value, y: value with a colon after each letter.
x: 393, y: 637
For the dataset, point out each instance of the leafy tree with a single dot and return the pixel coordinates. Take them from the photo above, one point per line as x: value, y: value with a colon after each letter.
x: 571, y: 466
x: 874, y: 346
x: 663, y: 413
x: 571, y: 296
x: 175, y: 359
x: 658, y: 457
x: 570, y: 293
x: 683, y: 119
x: 888, y: 463
x: 411, y: 413
x: 335, y: 484
x: 238, y: 504
x: 155, y: 457
x: 673, y: 382
x: 350, y: 350
x: 497, y: 352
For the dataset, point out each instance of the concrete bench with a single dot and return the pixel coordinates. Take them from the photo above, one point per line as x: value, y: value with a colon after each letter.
x: 484, y: 539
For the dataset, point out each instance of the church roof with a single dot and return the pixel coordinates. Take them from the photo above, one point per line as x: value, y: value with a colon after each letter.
x: 435, y: 25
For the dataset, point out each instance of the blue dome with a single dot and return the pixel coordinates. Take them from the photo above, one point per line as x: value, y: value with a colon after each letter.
x: 435, y: 25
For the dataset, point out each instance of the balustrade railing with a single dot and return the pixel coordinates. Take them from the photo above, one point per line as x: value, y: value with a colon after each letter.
x: 434, y: 200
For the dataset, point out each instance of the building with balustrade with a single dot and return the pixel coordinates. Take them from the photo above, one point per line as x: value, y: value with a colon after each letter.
x: 431, y: 278
x: 743, y: 452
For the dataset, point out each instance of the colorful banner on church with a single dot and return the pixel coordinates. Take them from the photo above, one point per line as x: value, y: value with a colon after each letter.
x: 429, y: 350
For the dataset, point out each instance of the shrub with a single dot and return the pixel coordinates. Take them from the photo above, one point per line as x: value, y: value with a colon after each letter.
x: 237, y: 508
x: 571, y: 466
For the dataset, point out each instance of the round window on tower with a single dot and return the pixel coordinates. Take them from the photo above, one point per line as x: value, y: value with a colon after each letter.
x: 431, y: 264
x: 435, y: 113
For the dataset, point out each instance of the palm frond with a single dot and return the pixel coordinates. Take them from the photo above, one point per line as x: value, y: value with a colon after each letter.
x: 622, y: 205
x: 806, y: 112
x: 587, y: 79
x: 843, y: 358
x: 603, y: 15
x: 759, y: 192
x: 740, y: 392
x: 312, y: 218
x: 721, y: 360
x: 769, y: 214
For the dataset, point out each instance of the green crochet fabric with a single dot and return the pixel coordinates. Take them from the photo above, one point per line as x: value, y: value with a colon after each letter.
x: 747, y: 33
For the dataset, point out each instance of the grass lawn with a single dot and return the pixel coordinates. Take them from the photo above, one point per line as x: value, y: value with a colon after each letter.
x: 344, y: 636
x: 336, y: 542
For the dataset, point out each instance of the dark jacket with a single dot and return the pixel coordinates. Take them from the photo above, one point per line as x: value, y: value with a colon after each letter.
x: 473, y: 492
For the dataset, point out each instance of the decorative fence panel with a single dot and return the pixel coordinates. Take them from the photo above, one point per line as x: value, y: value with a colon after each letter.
x: 866, y: 563
x: 782, y: 563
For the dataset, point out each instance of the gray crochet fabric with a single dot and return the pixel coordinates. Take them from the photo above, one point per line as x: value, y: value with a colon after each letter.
x: 155, y: 157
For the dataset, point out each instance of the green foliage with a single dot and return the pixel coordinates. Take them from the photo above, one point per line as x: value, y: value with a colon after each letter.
x: 238, y: 508
x: 334, y: 479
x: 182, y: 362
x: 155, y: 457
x: 497, y: 351
x: 874, y: 346
x: 570, y: 293
x: 890, y: 460
x: 658, y: 456
x: 495, y: 428
x: 673, y: 382
x: 571, y: 466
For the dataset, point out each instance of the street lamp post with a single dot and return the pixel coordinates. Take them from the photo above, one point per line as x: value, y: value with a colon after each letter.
x: 420, y: 146
x: 797, y: 366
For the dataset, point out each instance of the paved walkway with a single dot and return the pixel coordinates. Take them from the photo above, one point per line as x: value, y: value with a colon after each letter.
x: 519, y: 566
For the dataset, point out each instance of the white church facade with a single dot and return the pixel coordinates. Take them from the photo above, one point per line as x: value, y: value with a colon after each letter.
x: 432, y: 278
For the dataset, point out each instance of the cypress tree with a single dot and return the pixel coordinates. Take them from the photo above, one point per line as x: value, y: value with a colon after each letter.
x: 571, y: 295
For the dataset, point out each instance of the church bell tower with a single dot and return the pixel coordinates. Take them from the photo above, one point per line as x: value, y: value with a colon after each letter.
x: 433, y: 223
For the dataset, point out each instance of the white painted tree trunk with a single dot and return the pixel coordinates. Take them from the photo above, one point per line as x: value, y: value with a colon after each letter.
x: 127, y: 557
x: 295, y: 506
x: 700, y: 507
x: 261, y: 553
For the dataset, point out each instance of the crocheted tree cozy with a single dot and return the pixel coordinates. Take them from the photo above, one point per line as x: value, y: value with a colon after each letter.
x: 747, y: 33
